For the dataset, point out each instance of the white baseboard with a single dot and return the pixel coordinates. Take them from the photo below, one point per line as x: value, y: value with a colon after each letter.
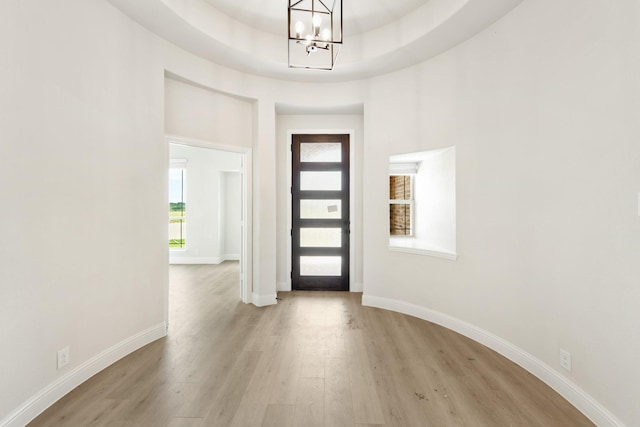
x: 195, y: 260
x: 263, y: 300
x: 204, y: 260
x: 356, y: 287
x: 286, y: 287
x: 567, y: 389
x: 63, y: 385
x: 283, y: 286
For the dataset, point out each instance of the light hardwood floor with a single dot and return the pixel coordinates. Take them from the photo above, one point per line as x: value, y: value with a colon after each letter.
x: 315, y: 359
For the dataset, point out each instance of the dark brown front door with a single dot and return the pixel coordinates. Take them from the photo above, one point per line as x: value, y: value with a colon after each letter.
x: 320, y: 212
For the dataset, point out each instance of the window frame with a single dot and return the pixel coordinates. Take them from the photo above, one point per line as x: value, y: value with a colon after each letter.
x: 180, y: 164
x: 410, y: 202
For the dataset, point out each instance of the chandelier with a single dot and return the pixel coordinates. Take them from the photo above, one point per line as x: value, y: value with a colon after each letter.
x: 315, y: 33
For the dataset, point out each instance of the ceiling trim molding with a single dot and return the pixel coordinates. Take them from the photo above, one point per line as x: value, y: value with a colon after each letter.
x: 196, y: 26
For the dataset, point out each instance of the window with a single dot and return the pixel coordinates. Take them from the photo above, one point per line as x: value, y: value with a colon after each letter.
x: 422, y: 203
x: 400, y: 205
x: 177, y: 204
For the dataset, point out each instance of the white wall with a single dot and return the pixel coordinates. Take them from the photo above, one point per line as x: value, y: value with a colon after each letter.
x: 311, y: 122
x: 435, y: 203
x: 542, y: 108
x: 82, y: 253
x: 197, y: 113
x: 232, y: 215
x: 206, y: 200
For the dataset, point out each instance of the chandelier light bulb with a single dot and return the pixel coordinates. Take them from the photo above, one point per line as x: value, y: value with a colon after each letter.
x: 326, y: 34
x: 299, y: 28
x: 317, y: 20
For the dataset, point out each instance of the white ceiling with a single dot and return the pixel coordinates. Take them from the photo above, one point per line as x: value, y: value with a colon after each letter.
x: 380, y: 36
x: 360, y: 16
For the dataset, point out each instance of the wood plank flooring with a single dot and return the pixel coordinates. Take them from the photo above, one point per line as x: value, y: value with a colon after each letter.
x: 315, y: 359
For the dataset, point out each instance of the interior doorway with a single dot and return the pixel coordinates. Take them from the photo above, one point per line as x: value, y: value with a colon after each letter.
x: 320, y: 222
x: 214, y: 209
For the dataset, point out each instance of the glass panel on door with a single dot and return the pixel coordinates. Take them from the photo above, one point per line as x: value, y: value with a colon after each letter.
x: 320, y: 209
x: 320, y: 237
x: 321, y: 152
x: 320, y: 181
x: 320, y: 266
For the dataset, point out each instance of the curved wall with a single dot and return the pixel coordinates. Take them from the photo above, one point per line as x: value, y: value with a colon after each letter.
x: 83, y: 170
x: 542, y: 108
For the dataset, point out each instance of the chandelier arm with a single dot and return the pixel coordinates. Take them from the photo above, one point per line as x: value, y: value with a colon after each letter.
x: 295, y: 4
x: 325, y: 6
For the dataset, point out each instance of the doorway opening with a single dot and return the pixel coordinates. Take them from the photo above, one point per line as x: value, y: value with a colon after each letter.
x: 320, y: 212
x: 209, y: 207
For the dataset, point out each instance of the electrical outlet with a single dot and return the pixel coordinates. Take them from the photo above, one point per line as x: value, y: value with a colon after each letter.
x: 63, y: 357
x: 565, y: 359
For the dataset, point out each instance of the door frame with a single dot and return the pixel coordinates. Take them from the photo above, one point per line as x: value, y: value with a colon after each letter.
x: 246, y: 251
x: 352, y: 197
